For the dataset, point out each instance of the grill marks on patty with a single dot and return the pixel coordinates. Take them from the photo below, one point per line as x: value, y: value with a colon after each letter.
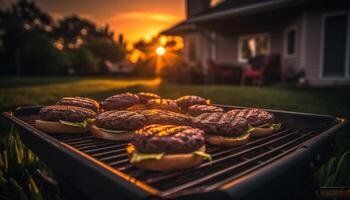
x: 256, y: 117
x: 189, y: 100
x: 66, y: 113
x: 133, y: 120
x: 156, y: 116
x: 120, y: 101
x: 168, y: 139
x: 196, y: 110
x: 80, y: 102
x: 163, y: 104
x: 146, y: 96
x: 120, y: 120
x: 221, y: 124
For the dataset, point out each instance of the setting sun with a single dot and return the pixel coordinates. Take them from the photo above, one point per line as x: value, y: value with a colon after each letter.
x: 160, y: 51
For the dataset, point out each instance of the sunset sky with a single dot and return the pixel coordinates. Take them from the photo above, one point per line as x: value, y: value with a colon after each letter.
x: 136, y: 19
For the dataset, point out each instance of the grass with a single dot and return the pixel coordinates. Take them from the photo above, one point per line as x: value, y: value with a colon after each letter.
x: 18, y: 169
x: 324, y: 100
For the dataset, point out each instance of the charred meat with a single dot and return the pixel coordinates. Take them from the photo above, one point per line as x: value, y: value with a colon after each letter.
x: 65, y: 113
x: 80, y: 102
x: 120, y: 101
x: 168, y: 139
x: 196, y: 110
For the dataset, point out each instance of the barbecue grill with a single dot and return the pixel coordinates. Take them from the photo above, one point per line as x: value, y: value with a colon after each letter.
x: 267, y: 167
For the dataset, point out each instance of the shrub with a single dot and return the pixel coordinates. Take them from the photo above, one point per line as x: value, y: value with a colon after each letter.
x: 83, y: 62
x: 18, y: 167
x: 335, y: 172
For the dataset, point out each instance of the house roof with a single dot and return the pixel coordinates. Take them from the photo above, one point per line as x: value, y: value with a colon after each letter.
x: 233, y: 8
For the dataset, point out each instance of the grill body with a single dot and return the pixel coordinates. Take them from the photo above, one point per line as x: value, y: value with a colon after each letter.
x: 267, y: 167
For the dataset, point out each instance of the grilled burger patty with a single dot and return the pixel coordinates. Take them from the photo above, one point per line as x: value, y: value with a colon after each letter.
x: 196, y: 110
x: 133, y: 120
x: 146, y: 96
x: 155, y: 116
x: 120, y: 120
x: 120, y: 101
x: 221, y: 124
x: 80, y: 102
x: 256, y: 117
x: 187, y: 101
x: 168, y: 139
x: 65, y: 113
x: 163, y: 104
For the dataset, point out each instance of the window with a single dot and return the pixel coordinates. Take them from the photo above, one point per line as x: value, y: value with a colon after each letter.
x: 335, y: 45
x: 290, y: 42
x: 253, y: 45
x: 192, y: 53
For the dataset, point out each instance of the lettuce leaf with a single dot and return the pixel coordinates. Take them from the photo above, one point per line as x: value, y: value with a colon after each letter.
x: 250, y: 128
x: 203, y: 155
x: 113, y: 131
x: 264, y: 125
x: 138, y: 157
x: 82, y: 124
x: 275, y: 127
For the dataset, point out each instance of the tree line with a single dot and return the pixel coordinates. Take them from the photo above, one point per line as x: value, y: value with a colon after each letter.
x: 33, y: 43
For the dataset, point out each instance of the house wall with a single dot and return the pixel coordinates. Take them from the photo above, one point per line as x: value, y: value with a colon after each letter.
x: 203, y: 49
x: 292, y: 64
x: 228, y: 45
x: 313, y: 49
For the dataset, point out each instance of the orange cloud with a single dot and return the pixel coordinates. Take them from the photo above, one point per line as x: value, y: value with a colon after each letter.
x: 161, y: 17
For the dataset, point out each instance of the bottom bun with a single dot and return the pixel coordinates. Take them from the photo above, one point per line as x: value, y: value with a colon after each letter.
x: 259, y: 132
x: 95, y: 131
x: 227, y: 141
x: 56, y: 127
x: 171, y: 161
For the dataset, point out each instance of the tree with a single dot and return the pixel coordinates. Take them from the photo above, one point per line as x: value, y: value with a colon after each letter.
x: 73, y: 31
x: 17, y: 22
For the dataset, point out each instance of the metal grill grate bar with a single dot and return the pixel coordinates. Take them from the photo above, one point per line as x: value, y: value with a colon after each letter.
x: 205, y: 178
x: 153, y: 180
x: 228, y: 165
x: 112, y: 146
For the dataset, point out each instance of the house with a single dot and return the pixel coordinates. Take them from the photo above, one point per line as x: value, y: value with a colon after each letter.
x: 312, y: 37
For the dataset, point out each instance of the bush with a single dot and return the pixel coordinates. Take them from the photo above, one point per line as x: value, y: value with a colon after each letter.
x: 145, y: 68
x: 38, y: 56
x: 105, y: 49
x: 180, y: 72
x: 335, y: 172
x: 18, y: 170
x: 83, y: 62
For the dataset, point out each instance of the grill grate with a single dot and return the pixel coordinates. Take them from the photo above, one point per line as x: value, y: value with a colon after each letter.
x: 228, y: 163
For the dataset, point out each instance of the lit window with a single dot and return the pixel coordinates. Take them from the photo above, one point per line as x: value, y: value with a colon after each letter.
x: 253, y: 45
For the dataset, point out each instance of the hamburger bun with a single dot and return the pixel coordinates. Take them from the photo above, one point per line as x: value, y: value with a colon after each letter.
x: 227, y: 141
x: 99, y: 133
x: 57, y: 127
x: 170, y: 161
x: 259, y: 132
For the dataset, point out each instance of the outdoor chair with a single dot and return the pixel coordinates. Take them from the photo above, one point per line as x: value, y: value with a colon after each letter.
x: 224, y: 73
x: 262, y: 68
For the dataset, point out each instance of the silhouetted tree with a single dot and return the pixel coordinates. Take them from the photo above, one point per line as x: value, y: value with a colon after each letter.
x: 29, y: 35
x: 17, y: 23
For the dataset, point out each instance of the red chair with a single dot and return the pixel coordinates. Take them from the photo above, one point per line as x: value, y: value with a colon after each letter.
x: 260, y: 66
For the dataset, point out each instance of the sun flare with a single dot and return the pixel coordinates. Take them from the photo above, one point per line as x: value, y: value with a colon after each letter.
x: 160, y: 51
